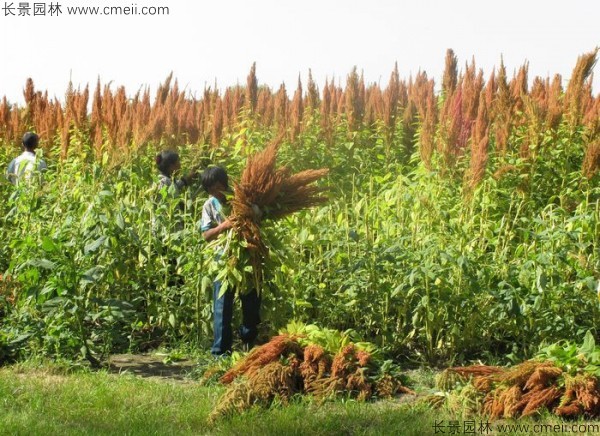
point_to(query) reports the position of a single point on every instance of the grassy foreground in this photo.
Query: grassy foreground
(38, 401)
(46, 401)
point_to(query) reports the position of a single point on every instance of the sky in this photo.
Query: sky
(204, 42)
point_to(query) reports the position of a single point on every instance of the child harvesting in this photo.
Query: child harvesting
(214, 222)
(169, 164)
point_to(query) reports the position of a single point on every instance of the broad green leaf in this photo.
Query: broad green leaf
(94, 245)
(589, 344)
(48, 244)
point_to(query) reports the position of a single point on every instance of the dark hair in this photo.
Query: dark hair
(214, 175)
(165, 160)
(30, 140)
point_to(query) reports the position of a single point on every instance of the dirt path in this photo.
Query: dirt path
(151, 367)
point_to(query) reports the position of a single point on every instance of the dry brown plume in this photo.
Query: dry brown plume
(531, 387)
(282, 368)
(275, 191)
(261, 356)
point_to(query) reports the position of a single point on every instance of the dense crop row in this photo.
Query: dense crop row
(460, 223)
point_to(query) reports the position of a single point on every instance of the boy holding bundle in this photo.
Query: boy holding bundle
(214, 222)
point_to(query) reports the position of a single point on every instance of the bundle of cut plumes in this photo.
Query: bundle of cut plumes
(266, 192)
(563, 380)
(292, 364)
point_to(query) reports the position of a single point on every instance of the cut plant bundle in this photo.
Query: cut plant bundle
(274, 191)
(266, 193)
(308, 360)
(563, 379)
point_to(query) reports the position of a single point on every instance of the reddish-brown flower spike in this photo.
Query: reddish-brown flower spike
(312, 101)
(217, 125)
(576, 90)
(352, 101)
(251, 89)
(281, 108)
(591, 161)
(391, 99)
(450, 77)
(297, 111)
(29, 91)
(427, 134)
(518, 88)
(555, 110)
(266, 106)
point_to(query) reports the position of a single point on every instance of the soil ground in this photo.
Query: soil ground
(151, 366)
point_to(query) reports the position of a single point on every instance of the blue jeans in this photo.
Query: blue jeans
(223, 314)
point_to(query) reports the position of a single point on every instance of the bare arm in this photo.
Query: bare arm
(211, 234)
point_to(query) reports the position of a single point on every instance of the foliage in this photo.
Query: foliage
(431, 246)
(572, 358)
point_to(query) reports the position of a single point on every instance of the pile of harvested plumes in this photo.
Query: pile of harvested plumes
(265, 192)
(562, 379)
(294, 364)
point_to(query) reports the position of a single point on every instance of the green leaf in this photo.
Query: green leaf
(589, 344)
(21, 338)
(92, 275)
(48, 245)
(94, 245)
(206, 283)
(120, 221)
(594, 358)
(303, 303)
(224, 288)
(236, 274)
(42, 263)
(593, 369)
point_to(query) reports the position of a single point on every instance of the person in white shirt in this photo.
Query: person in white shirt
(24, 166)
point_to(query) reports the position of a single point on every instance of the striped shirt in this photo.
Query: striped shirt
(212, 214)
(23, 166)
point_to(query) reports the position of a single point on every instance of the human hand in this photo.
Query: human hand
(226, 225)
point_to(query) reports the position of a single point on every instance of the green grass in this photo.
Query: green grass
(47, 401)
(40, 402)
